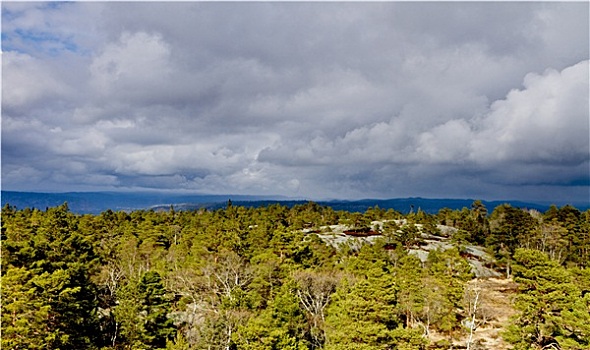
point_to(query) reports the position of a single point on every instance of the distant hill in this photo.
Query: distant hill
(404, 205)
(97, 202)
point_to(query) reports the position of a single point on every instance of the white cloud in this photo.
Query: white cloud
(28, 81)
(546, 121)
(137, 62)
(447, 143)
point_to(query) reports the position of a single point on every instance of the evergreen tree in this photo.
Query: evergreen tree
(155, 306)
(24, 314)
(511, 228)
(362, 315)
(448, 273)
(364, 310)
(51, 263)
(553, 310)
(410, 276)
(281, 326)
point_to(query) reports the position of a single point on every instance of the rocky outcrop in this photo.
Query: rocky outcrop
(481, 262)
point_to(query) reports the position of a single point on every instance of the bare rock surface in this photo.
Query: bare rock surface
(477, 257)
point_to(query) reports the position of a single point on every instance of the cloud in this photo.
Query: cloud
(536, 135)
(138, 62)
(523, 139)
(446, 143)
(32, 82)
(309, 99)
(547, 121)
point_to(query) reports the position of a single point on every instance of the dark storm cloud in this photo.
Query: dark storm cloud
(310, 99)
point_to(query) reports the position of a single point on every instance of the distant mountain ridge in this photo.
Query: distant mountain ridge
(97, 202)
(406, 205)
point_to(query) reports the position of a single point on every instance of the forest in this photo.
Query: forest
(269, 278)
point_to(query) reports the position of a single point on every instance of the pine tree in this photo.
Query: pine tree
(281, 326)
(364, 312)
(155, 306)
(51, 263)
(448, 273)
(553, 310)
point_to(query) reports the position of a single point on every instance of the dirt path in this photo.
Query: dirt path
(495, 304)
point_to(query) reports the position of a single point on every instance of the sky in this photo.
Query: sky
(327, 100)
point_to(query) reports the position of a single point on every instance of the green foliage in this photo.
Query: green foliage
(155, 305)
(363, 313)
(447, 273)
(553, 310)
(410, 277)
(510, 226)
(359, 317)
(407, 235)
(23, 313)
(46, 281)
(263, 278)
(280, 326)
